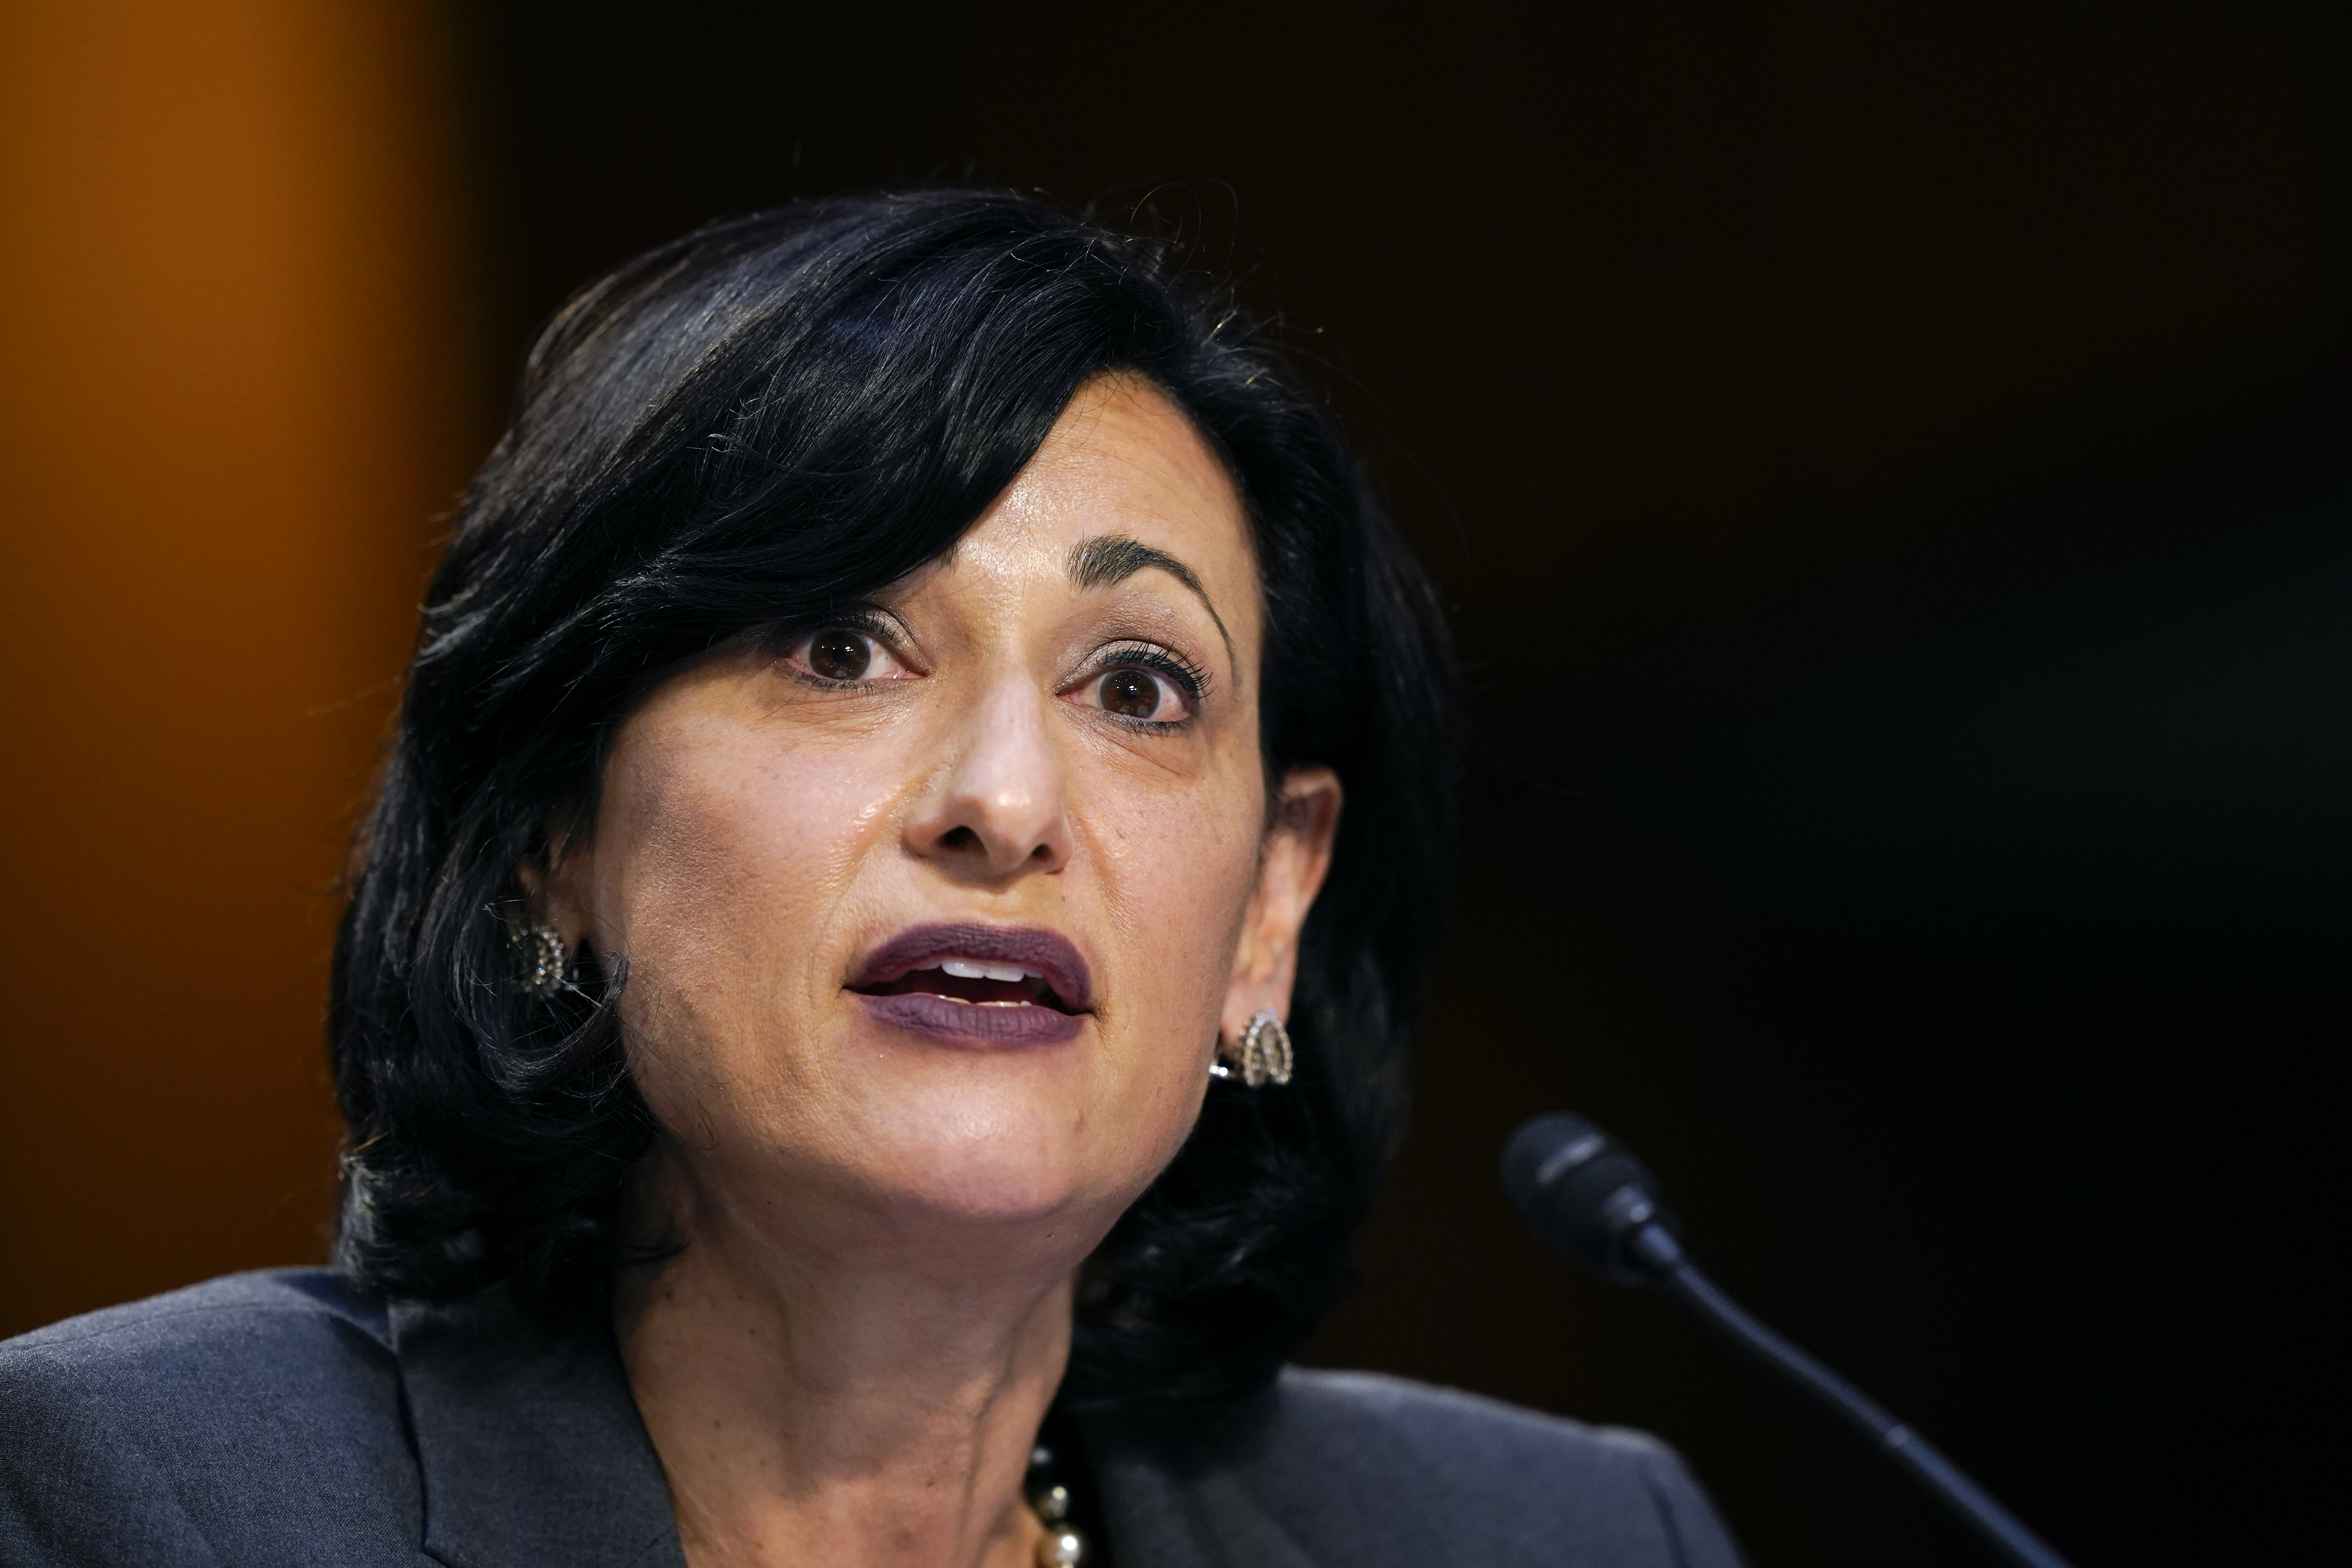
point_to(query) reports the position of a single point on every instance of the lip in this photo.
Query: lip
(1048, 953)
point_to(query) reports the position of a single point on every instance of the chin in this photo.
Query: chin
(988, 1197)
(984, 1159)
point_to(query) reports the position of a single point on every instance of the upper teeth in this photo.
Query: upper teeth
(973, 969)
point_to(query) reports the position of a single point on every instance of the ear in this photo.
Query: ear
(1291, 866)
(558, 882)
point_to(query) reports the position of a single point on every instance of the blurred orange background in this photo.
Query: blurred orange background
(229, 409)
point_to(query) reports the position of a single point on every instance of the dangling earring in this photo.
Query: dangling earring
(1266, 1053)
(547, 961)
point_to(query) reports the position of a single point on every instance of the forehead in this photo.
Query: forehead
(1122, 460)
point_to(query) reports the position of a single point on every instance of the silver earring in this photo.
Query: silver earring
(1266, 1053)
(547, 961)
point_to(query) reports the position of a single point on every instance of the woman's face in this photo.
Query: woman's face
(936, 917)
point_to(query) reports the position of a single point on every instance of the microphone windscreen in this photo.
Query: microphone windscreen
(1582, 1194)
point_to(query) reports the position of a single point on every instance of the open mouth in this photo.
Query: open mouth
(979, 985)
(975, 982)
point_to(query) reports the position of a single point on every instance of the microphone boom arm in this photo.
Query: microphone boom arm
(1587, 1198)
(1944, 1480)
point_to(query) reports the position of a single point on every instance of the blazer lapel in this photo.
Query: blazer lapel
(529, 1445)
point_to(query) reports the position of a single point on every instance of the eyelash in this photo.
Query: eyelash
(866, 622)
(1164, 662)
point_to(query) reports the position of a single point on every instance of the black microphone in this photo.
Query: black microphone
(1588, 1199)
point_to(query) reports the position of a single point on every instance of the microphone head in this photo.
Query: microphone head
(1586, 1197)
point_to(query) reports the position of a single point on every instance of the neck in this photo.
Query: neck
(844, 1404)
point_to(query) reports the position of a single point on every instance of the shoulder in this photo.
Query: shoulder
(207, 1321)
(248, 1351)
(147, 1432)
(1379, 1418)
(1357, 1458)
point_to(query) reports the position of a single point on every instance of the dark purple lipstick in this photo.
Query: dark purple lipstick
(976, 984)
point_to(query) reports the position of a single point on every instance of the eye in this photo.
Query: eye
(1150, 686)
(846, 654)
(1131, 693)
(839, 654)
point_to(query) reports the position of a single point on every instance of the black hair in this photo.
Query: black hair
(746, 429)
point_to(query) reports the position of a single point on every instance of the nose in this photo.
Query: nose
(998, 806)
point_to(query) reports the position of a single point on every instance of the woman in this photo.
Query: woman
(829, 991)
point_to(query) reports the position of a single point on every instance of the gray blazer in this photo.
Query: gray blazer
(287, 1418)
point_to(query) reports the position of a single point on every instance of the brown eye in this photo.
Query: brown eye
(839, 654)
(1130, 693)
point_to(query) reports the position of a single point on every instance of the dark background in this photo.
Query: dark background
(1889, 468)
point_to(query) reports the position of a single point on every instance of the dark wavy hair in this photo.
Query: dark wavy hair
(743, 431)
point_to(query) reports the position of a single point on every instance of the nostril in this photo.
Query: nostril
(959, 839)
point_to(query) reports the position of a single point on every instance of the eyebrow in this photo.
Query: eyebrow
(1108, 558)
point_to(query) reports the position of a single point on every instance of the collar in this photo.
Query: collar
(528, 1444)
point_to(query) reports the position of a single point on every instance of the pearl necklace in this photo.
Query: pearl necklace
(1064, 1545)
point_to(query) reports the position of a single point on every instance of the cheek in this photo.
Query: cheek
(1178, 877)
(1177, 886)
(723, 870)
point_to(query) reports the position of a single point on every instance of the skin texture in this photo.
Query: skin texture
(848, 1360)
